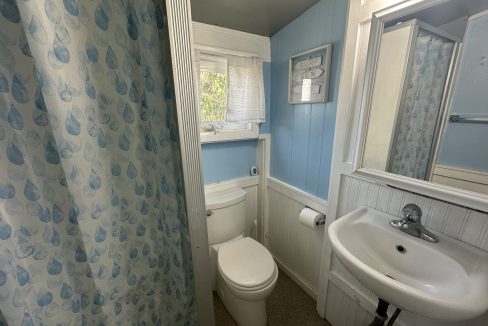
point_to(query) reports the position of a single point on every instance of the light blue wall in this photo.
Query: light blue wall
(302, 135)
(229, 160)
(466, 145)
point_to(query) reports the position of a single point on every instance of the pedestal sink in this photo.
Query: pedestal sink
(447, 280)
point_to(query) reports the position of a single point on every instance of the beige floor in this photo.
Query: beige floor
(288, 305)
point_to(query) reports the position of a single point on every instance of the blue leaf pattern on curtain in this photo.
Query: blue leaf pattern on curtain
(418, 115)
(93, 229)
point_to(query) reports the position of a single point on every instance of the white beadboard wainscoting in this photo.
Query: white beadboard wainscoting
(295, 247)
(348, 301)
(250, 185)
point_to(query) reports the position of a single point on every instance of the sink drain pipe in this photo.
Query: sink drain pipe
(380, 317)
(381, 314)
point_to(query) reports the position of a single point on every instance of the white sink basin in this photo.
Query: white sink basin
(446, 280)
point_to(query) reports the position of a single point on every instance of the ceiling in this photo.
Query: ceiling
(262, 17)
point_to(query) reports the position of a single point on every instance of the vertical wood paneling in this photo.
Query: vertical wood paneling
(296, 246)
(474, 228)
(301, 150)
(457, 222)
(437, 215)
(383, 199)
(317, 116)
(343, 310)
(423, 202)
(363, 193)
(374, 191)
(395, 205)
(328, 141)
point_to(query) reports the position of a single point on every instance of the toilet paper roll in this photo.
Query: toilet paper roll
(310, 218)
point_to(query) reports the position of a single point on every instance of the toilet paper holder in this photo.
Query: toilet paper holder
(321, 221)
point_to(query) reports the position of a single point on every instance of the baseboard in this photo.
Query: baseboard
(297, 279)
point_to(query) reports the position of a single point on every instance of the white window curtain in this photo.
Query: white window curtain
(245, 99)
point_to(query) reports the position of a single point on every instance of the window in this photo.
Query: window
(213, 88)
(223, 118)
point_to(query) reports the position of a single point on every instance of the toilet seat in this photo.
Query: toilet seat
(246, 265)
(243, 289)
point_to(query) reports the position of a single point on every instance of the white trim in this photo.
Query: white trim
(230, 135)
(224, 40)
(263, 161)
(243, 182)
(425, 26)
(221, 51)
(180, 40)
(318, 204)
(461, 173)
(295, 277)
(478, 15)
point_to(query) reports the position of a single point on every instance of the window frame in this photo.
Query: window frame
(221, 131)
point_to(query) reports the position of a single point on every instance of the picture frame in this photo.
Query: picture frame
(309, 74)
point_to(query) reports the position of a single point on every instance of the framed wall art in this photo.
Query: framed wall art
(309, 73)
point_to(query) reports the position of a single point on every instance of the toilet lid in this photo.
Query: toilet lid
(246, 263)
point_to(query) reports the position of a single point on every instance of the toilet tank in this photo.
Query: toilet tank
(226, 214)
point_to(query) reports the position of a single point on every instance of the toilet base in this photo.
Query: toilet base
(244, 312)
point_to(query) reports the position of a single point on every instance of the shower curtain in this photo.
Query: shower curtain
(93, 228)
(418, 115)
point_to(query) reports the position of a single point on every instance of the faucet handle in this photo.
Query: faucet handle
(412, 212)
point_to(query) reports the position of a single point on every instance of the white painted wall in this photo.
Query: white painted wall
(388, 87)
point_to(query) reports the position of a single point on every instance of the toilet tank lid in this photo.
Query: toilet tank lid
(224, 198)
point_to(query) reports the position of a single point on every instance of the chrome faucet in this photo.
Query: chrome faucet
(410, 223)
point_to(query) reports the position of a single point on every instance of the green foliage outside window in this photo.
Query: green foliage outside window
(213, 96)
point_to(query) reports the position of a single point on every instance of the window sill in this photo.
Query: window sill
(229, 135)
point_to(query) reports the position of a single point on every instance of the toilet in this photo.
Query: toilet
(243, 271)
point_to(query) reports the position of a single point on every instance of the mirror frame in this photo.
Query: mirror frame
(450, 194)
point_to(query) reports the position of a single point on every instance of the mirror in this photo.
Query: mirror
(428, 112)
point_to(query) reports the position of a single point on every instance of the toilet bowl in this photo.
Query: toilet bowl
(244, 272)
(247, 274)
